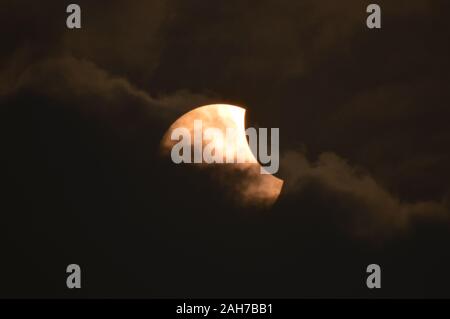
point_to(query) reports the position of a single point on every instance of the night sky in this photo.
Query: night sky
(364, 143)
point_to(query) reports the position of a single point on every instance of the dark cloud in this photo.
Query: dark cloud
(126, 40)
(371, 211)
(106, 59)
(83, 112)
(67, 78)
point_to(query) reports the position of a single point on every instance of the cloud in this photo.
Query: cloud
(63, 75)
(67, 78)
(126, 38)
(112, 58)
(309, 65)
(276, 41)
(369, 209)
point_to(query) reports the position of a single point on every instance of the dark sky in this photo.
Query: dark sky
(364, 135)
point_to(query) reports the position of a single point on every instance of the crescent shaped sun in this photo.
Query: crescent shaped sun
(251, 187)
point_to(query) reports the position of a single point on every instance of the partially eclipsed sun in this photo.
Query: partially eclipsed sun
(248, 185)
